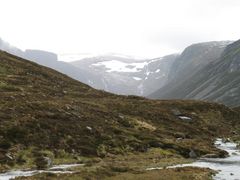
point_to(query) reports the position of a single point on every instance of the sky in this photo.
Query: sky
(139, 28)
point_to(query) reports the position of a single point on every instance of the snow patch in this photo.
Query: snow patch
(118, 66)
(137, 78)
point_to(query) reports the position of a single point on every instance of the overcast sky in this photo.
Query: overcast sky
(142, 28)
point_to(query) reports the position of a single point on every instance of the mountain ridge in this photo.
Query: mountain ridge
(215, 82)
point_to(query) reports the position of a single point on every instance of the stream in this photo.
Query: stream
(228, 168)
(55, 169)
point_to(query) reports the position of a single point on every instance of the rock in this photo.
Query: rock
(226, 140)
(43, 162)
(121, 116)
(176, 112)
(210, 156)
(9, 156)
(179, 139)
(185, 118)
(192, 154)
(89, 128)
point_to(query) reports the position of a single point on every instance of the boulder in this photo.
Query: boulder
(176, 112)
(210, 156)
(192, 154)
(43, 162)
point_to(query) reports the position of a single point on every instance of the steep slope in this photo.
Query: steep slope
(9, 48)
(134, 77)
(48, 59)
(219, 81)
(42, 109)
(122, 75)
(193, 58)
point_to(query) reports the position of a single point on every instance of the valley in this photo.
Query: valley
(45, 114)
(119, 90)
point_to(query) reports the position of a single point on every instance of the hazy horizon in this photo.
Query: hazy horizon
(138, 28)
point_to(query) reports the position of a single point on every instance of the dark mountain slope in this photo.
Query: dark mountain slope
(218, 81)
(41, 108)
(193, 59)
(48, 59)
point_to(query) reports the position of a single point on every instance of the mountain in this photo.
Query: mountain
(114, 73)
(193, 59)
(4, 46)
(218, 81)
(127, 76)
(46, 114)
(48, 59)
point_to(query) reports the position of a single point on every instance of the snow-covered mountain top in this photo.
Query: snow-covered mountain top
(71, 57)
(119, 66)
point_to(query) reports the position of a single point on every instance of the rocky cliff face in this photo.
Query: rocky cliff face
(126, 76)
(217, 81)
(193, 59)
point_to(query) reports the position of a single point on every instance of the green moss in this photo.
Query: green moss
(7, 87)
(3, 70)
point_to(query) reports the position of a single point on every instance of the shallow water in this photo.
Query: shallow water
(55, 169)
(228, 168)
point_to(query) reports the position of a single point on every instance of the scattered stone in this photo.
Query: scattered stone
(226, 140)
(68, 107)
(210, 156)
(9, 156)
(43, 162)
(193, 113)
(121, 116)
(89, 128)
(176, 112)
(185, 118)
(192, 154)
(179, 139)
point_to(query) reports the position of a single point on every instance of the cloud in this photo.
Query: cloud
(137, 27)
(178, 38)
